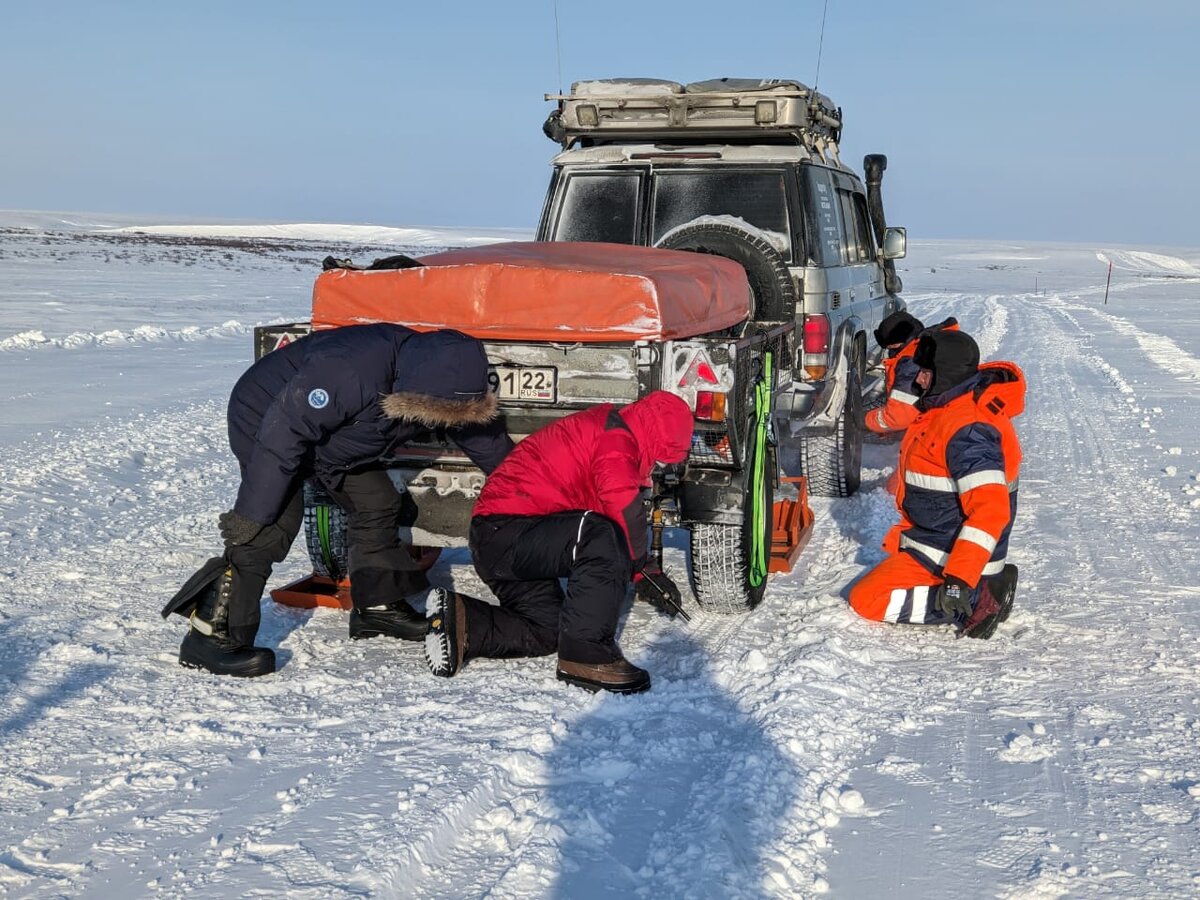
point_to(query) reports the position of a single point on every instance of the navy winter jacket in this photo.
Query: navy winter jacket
(314, 406)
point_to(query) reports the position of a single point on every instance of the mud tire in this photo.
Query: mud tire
(832, 460)
(774, 293)
(720, 555)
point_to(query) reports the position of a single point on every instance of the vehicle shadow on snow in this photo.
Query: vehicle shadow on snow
(677, 792)
(26, 697)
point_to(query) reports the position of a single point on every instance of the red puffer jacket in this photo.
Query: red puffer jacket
(597, 459)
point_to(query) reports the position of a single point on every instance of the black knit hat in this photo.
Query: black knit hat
(898, 328)
(953, 356)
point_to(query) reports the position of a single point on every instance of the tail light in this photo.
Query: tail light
(710, 406)
(815, 343)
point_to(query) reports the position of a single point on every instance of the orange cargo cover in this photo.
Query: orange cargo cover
(544, 291)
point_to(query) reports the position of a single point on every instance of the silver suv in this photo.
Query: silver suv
(747, 169)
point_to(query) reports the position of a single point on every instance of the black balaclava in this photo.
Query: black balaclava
(898, 328)
(953, 356)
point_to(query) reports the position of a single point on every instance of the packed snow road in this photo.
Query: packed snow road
(793, 752)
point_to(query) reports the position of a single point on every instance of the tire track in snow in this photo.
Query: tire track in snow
(1159, 349)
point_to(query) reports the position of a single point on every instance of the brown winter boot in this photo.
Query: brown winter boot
(619, 676)
(207, 645)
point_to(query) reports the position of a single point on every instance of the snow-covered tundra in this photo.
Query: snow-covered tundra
(796, 751)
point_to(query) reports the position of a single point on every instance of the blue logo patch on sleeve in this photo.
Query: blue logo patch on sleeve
(318, 398)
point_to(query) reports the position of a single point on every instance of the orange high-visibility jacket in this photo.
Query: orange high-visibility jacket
(900, 372)
(959, 464)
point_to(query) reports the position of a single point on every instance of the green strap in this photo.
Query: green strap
(758, 476)
(323, 539)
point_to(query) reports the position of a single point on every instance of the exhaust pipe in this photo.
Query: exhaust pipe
(874, 165)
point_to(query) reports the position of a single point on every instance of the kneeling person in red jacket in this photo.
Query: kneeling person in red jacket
(957, 496)
(566, 503)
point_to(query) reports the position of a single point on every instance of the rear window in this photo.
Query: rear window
(759, 198)
(598, 207)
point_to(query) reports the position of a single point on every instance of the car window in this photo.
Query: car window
(598, 206)
(823, 217)
(759, 198)
(849, 233)
(862, 224)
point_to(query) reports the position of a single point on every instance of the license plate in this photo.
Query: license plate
(529, 384)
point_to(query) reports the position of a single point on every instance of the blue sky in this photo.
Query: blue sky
(1054, 120)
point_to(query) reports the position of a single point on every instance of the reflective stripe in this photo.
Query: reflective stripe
(977, 536)
(920, 605)
(579, 534)
(978, 479)
(879, 418)
(933, 554)
(906, 399)
(995, 567)
(895, 605)
(929, 482)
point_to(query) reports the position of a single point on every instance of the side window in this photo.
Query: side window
(862, 224)
(850, 251)
(600, 206)
(822, 217)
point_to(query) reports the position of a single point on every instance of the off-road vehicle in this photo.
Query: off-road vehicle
(737, 169)
(747, 169)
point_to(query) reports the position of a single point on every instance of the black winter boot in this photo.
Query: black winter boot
(1000, 590)
(446, 643)
(395, 620)
(208, 645)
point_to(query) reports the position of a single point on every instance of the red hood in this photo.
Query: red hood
(662, 424)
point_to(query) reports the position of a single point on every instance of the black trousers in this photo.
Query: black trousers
(381, 568)
(521, 558)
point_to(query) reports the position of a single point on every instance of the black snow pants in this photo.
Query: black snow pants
(381, 568)
(521, 558)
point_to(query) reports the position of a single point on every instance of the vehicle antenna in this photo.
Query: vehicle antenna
(820, 47)
(558, 47)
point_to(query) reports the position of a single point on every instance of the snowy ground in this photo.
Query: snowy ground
(794, 752)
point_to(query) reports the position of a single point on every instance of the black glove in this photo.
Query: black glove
(237, 529)
(656, 588)
(954, 597)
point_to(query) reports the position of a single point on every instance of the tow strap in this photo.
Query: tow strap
(323, 537)
(758, 476)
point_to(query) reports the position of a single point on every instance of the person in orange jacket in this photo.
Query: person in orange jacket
(898, 334)
(957, 496)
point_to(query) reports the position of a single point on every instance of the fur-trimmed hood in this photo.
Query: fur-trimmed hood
(441, 380)
(435, 412)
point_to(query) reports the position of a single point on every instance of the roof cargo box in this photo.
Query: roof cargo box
(625, 108)
(541, 291)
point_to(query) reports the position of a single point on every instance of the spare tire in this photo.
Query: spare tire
(774, 294)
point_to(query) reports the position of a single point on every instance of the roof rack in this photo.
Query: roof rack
(746, 109)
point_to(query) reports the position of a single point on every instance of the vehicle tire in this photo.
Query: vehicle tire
(832, 461)
(325, 532)
(325, 536)
(774, 293)
(720, 554)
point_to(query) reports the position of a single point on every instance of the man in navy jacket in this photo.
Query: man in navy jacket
(334, 405)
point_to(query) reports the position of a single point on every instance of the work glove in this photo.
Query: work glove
(954, 597)
(656, 588)
(237, 529)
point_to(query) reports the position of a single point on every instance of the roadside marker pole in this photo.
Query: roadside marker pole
(1108, 282)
